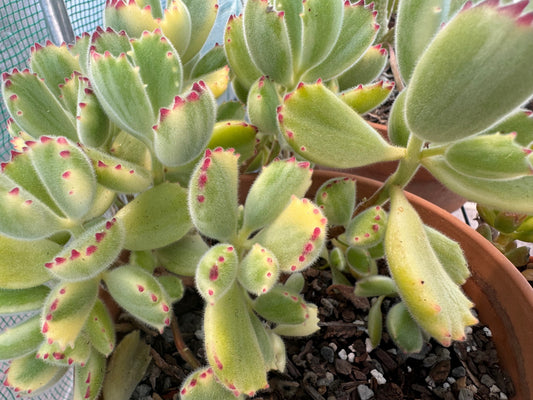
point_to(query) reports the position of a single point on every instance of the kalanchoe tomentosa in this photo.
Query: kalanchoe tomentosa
(125, 171)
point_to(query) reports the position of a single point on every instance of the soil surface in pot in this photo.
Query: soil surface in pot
(337, 363)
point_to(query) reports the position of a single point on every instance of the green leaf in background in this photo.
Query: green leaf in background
(478, 79)
(513, 195)
(267, 40)
(416, 24)
(184, 129)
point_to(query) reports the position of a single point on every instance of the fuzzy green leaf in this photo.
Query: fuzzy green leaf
(91, 122)
(268, 41)
(237, 54)
(397, 128)
(156, 217)
(307, 328)
(358, 31)
(292, 15)
(66, 310)
(450, 255)
(213, 194)
(173, 285)
(90, 253)
(272, 191)
(322, 23)
(365, 98)
(259, 270)
(176, 25)
(159, 66)
(512, 195)
(118, 174)
(281, 306)
(34, 107)
(476, 83)
(375, 322)
(122, 94)
(115, 42)
(368, 228)
(30, 375)
(88, 379)
(296, 236)
(54, 64)
(319, 126)
(126, 368)
(202, 384)
(22, 300)
(375, 285)
(23, 216)
(433, 299)
(139, 293)
(101, 329)
(231, 344)
(263, 100)
(203, 15)
(128, 17)
(365, 70)
(237, 135)
(404, 329)
(213, 60)
(521, 122)
(336, 198)
(185, 128)
(493, 156)
(22, 262)
(182, 257)
(359, 261)
(77, 354)
(22, 339)
(417, 23)
(68, 92)
(216, 272)
(66, 173)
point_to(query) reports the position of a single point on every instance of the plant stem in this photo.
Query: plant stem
(407, 167)
(182, 348)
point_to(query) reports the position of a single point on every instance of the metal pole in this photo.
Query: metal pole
(57, 21)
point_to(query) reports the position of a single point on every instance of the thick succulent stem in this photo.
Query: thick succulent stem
(407, 167)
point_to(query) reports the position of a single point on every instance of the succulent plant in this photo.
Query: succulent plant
(125, 177)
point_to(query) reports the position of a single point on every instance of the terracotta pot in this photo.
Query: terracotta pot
(503, 298)
(423, 183)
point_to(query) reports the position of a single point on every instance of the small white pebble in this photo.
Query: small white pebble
(351, 357)
(378, 376)
(451, 380)
(351, 348)
(393, 351)
(468, 330)
(474, 348)
(368, 345)
(409, 369)
(342, 354)
(333, 346)
(487, 331)
(503, 396)
(445, 385)
(495, 389)
(468, 349)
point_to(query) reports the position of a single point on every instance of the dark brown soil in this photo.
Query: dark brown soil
(335, 363)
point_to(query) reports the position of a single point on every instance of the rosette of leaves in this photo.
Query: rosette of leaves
(100, 130)
(274, 45)
(276, 232)
(472, 136)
